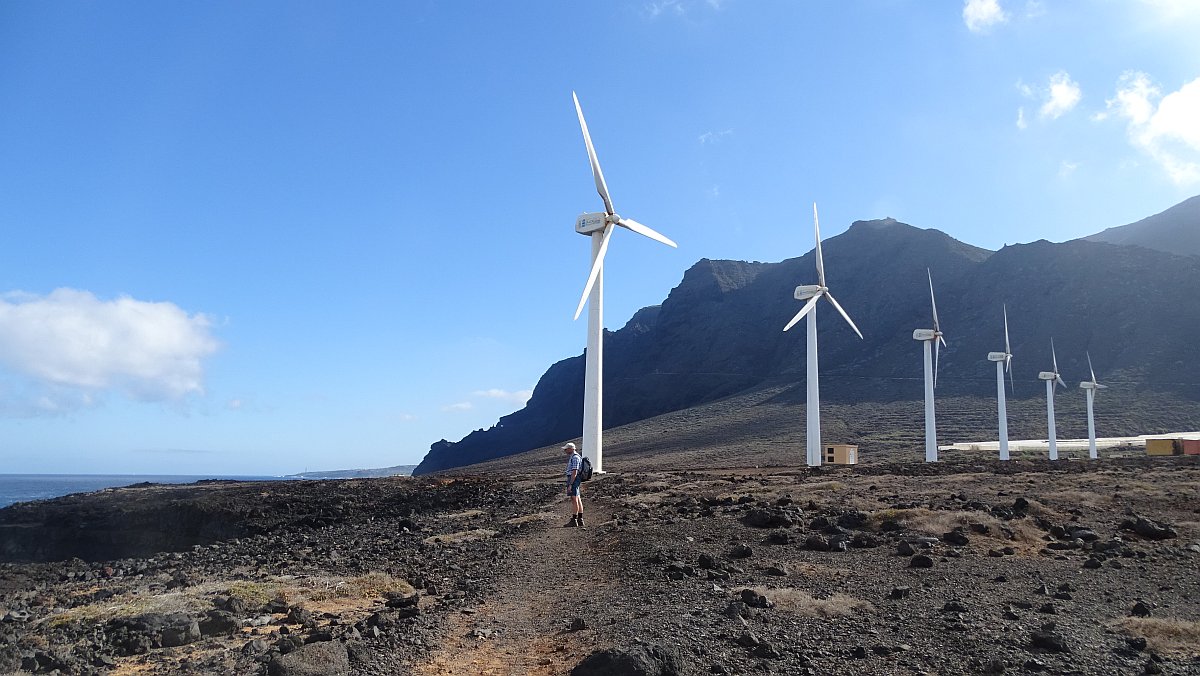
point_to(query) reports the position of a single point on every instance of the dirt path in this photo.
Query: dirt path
(525, 629)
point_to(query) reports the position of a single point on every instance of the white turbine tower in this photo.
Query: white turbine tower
(1003, 363)
(599, 226)
(813, 293)
(928, 336)
(1090, 386)
(1052, 380)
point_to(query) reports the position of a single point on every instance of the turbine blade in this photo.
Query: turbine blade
(1007, 349)
(936, 353)
(1101, 387)
(640, 229)
(601, 186)
(844, 315)
(1012, 386)
(933, 301)
(942, 340)
(812, 302)
(820, 258)
(1089, 356)
(597, 265)
(1054, 356)
(1059, 381)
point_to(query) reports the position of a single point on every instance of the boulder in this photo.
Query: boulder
(640, 660)
(327, 658)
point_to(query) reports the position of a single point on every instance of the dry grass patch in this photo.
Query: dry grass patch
(173, 602)
(936, 522)
(823, 486)
(802, 603)
(460, 536)
(464, 515)
(1164, 635)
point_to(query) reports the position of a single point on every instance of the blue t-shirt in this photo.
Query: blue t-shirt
(573, 464)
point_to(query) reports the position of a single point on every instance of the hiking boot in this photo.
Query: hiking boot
(573, 523)
(580, 517)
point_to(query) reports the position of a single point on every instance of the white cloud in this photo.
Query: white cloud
(1066, 168)
(981, 15)
(234, 404)
(714, 192)
(1167, 128)
(518, 397)
(713, 136)
(674, 7)
(1034, 9)
(72, 345)
(460, 406)
(1021, 123)
(1062, 95)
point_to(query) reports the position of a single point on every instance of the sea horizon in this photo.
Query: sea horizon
(31, 486)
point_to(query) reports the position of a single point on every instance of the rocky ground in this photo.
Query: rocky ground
(970, 567)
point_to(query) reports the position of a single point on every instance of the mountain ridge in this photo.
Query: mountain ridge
(719, 331)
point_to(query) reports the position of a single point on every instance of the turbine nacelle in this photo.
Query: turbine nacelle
(926, 334)
(591, 222)
(1087, 385)
(997, 356)
(807, 291)
(1047, 375)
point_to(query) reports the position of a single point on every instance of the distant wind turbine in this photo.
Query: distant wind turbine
(813, 293)
(928, 336)
(599, 226)
(1003, 363)
(1053, 379)
(1090, 386)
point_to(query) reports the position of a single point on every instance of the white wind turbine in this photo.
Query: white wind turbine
(928, 336)
(1003, 363)
(599, 226)
(1090, 386)
(1052, 380)
(813, 293)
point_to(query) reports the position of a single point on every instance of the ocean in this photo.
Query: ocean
(26, 487)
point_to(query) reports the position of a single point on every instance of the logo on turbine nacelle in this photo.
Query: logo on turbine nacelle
(997, 356)
(924, 334)
(807, 291)
(586, 224)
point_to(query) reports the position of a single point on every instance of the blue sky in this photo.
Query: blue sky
(255, 238)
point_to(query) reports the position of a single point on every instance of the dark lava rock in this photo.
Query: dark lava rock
(1092, 563)
(748, 639)
(298, 615)
(182, 631)
(905, 548)
(920, 561)
(852, 520)
(775, 571)
(953, 607)
(755, 600)
(900, 592)
(1140, 609)
(817, 543)
(1149, 529)
(741, 551)
(638, 661)
(578, 624)
(219, 623)
(779, 537)
(864, 541)
(327, 658)
(956, 537)
(706, 561)
(1049, 641)
(767, 518)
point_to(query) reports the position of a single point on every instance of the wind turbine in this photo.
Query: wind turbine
(1090, 386)
(1003, 363)
(928, 336)
(813, 293)
(599, 226)
(1052, 379)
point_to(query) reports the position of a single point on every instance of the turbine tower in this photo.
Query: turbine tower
(928, 336)
(1052, 380)
(599, 227)
(1003, 363)
(1090, 386)
(813, 293)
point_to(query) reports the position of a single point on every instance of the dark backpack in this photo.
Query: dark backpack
(585, 470)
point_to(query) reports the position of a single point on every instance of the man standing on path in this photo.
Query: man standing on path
(574, 478)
